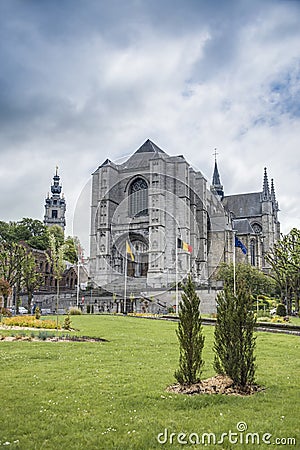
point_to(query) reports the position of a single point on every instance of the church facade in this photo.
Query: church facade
(158, 219)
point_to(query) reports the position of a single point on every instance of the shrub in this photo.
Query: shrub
(75, 311)
(234, 336)
(190, 336)
(5, 312)
(37, 313)
(43, 335)
(67, 323)
(281, 310)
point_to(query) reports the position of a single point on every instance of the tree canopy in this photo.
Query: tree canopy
(31, 231)
(18, 267)
(284, 260)
(250, 277)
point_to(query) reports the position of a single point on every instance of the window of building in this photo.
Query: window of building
(138, 198)
(54, 213)
(257, 228)
(252, 252)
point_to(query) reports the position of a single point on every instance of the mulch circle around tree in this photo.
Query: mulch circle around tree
(216, 385)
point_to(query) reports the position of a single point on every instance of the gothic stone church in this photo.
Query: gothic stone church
(166, 219)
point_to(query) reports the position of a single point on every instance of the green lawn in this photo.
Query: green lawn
(111, 395)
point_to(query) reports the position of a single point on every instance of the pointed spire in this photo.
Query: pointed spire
(273, 196)
(216, 177)
(216, 181)
(266, 190)
(55, 187)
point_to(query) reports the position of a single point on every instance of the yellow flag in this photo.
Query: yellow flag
(129, 251)
(185, 246)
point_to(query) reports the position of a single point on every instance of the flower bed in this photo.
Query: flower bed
(29, 322)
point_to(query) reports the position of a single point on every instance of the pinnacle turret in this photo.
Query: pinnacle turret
(273, 190)
(216, 181)
(273, 196)
(266, 191)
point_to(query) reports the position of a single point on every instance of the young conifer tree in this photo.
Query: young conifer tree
(190, 336)
(234, 336)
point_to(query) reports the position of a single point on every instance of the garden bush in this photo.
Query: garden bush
(190, 336)
(67, 323)
(281, 310)
(37, 313)
(75, 311)
(234, 336)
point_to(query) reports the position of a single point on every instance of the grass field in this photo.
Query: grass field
(111, 395)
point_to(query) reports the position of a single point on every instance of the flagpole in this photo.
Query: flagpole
(125, 282)
(176, 274)
(234, 275)
(78, 281)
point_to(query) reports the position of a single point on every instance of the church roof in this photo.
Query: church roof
(149, 147)
(142, 156)
(242, 226)
(107, 162)
(243, 205)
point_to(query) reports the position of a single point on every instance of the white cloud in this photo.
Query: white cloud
(77, 92)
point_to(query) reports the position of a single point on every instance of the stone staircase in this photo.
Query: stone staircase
(134, 286)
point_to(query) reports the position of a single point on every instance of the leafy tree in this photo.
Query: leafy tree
(12, 257)
(31, 231)
(31, 278)
(252, 278)
(234, 336)
(71, 249)
(57, 232)
(4, 288)
(281, 310)
(5, 232)
(56, 258)
(190, 336)
(284, 260)
(37, 233)
(17, 264)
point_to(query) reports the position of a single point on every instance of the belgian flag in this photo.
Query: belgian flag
(184, 245)
(129, 251)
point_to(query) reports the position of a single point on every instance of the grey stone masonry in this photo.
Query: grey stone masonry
(157, 218)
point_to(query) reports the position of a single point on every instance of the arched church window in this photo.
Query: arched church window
(138, 198)
(252, 252)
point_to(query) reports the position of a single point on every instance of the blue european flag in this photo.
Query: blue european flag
(239, 244)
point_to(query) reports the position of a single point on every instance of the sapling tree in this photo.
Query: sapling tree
(32, 279)
(234, 336)
(56, 258)
(190, 336)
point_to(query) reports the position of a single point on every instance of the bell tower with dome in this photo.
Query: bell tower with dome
(55, 205)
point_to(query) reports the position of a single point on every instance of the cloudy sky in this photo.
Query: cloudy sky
(83, 80)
